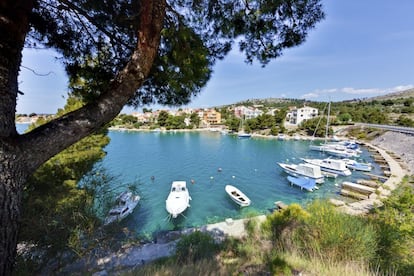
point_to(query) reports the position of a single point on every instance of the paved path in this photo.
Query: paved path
(135, 256)
(397, 174)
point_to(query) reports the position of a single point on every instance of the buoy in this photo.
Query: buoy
(233, 176)
(219, 169)
(192, 181)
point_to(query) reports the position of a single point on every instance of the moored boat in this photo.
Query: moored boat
(357, 166)
(306, 183)
(237, 196)
(178, 199)
(125, 204)
(304, 169)
(335, 166)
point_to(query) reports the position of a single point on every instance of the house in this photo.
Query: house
(297, 115)
(246, 112)
(211, 117)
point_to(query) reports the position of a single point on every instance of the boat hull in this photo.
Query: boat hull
(178, 199)
(237, 196)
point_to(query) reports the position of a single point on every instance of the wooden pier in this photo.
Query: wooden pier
(362, 189)
(353, 194)
(375, 176)
(369, 183)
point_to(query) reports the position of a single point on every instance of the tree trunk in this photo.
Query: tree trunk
(12, 178)
(21, 155)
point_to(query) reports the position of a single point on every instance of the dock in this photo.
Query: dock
(375, 176)
(280, 205)
(369, 183)
(352, 194)
(358, 188)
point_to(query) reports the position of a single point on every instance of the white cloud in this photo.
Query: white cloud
(310, 96)
(363, 92)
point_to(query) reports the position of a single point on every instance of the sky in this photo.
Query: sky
(363, 48)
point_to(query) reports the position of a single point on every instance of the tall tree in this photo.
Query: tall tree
(134, 52)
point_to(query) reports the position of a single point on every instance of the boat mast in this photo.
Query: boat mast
(327, 122)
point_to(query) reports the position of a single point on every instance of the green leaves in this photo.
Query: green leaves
(195, 35)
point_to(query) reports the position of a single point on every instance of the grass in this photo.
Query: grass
(312, 240)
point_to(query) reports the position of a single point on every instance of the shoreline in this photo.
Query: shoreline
(133, 255)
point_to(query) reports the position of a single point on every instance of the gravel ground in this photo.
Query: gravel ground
(400, 144)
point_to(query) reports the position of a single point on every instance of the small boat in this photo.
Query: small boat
(306, 183)
(178, 199)
(304, 169)
(281, 136)
(336, 166)
(125, 204)
(357, 166)
(237, 196)
(244, 135)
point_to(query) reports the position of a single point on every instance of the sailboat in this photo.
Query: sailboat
(241, 133)
(335, 149)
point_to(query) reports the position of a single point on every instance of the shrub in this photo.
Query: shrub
(194, 247)
(320, 230)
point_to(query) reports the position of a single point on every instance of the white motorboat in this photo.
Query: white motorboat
(237, 196)
(357, 166)
(304, 169)
(125, 204)
(335, 166)
(178, 199)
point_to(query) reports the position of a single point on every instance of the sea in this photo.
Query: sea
(208, 161)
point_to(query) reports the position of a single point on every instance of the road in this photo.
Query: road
(408, 130)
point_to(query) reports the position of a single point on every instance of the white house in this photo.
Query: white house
(246, 112)
(297, 115)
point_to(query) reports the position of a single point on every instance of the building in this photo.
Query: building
(246, 112)
(211, 117)
(297, 115)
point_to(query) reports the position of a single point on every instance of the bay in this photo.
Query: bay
(152, 160)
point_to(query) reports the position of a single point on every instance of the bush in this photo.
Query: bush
(336, 235)
(394, 223)
(194, 247)
(320, 230)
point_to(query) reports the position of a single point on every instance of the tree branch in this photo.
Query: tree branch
(49, 139)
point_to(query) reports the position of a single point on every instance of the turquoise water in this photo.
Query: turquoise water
(249, 164)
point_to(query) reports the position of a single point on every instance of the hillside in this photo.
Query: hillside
(409, 93)
(391, 96)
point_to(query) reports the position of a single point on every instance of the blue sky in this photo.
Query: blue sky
(363, 48)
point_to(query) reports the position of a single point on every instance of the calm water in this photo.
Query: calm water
(249, 164)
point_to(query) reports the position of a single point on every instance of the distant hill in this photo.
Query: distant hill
(391, 96)
(409, 93)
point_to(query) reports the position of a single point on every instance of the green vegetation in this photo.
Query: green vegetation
(397, 111)
(315, 240)
(58, 214)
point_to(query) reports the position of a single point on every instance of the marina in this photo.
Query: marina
(208, 161)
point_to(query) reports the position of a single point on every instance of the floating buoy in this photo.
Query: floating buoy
(211, 177)
(233, 176)
(192, 181)
(219, 169)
